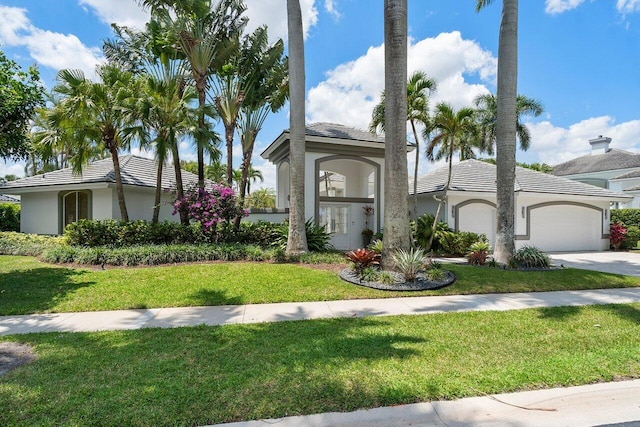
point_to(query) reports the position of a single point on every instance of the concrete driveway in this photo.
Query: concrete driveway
(627, 263)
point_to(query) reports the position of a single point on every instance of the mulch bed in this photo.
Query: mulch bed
(421, 283)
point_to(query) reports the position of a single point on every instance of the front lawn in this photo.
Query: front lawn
(29, 286)
(205, 375)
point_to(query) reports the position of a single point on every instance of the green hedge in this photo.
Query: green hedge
(12, 243)
(626, 217)
(9, 217)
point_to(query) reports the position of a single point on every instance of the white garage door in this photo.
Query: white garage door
(478, 218)
(565, 228)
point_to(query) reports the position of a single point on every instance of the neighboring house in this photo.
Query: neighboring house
(344, 172)
(552, 213)
(8, 199)
(605, 167)
(52, 200)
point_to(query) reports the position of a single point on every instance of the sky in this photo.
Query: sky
(579, 58)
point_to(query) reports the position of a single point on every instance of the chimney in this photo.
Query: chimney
(600, 145)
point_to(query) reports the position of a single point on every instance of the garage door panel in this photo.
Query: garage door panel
(565, 228)
(478, 218)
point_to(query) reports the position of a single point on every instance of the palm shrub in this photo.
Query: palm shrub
(530, 257)
(423, 228)
(317, 236)
(409, 263)
(478, 253)
(362, 259)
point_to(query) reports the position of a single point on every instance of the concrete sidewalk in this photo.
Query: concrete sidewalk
(257, 313)
(605, 404)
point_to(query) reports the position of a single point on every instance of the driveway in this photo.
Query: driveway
(627, 263)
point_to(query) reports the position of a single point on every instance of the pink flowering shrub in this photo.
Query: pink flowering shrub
(209, 206)
(617, 234)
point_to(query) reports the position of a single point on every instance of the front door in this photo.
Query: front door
(335, 219)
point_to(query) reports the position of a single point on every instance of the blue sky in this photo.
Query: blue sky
(580, 58)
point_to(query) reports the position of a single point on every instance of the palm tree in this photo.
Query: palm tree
(506, 120)
(96, 109)
(262, 198)
(487, 111)
(454, 131)
(396, 188)
(419, 87)
(297, 237)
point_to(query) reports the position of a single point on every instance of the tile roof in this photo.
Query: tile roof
(333, 130)
(611, 160)
(135, 171)
(478, 176)
(8, 199)
(632, 174)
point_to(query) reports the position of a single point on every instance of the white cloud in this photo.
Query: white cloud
(558, 6)
(49, 49)
(628, 6)
(123, 12)
(330, 7)
(351, 90)
(16, 169)
(553, 145)
(273, 13)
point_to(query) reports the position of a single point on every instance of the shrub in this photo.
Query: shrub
(632, 238)
(12, 243)
(409, 263)
(317, 237)
(370, 274)
(478, 253)
(362, 259)
(9, 217)
(209, 206)
(459, 243)
(530, 257)
(423, 228)
(435, 274)
(617, 235)
(626, 217)
(376, 246)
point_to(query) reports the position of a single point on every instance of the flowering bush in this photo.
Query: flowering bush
(617, 234)
(209, 206)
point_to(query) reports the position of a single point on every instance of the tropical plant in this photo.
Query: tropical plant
(419, 88)
(409, 263)
(296, 241)
(478, 253)
(96, 110)
(362, 259)
(506, 120)
(423, 232)
(262, 198)
(617, 235)
(316, 236)
(487, 112)
(376, 245)
(209, 206)
(396, 213)
(530, 257)
(9, 217)
(454, 131)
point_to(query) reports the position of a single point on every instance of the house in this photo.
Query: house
(552, 213)
(605, 167)
(8, 199)
(344, 179)
(52, 200)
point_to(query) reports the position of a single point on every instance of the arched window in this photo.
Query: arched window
(75, 206)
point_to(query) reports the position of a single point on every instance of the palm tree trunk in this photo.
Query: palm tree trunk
(506, 131)
(156, 206)
(184, 219)
(200, 142)
(119, 188)
(228, 133)
(396, 204)
(444, 196)
(297, 238)
(246, 164)
(415, 172)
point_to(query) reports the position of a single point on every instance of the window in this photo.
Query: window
(75, 206)
(332, 184)
(335, 219)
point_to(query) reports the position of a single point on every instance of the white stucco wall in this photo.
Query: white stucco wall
(39, 213)
(102, 201)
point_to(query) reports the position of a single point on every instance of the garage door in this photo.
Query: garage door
(565, 228)
(478, 218)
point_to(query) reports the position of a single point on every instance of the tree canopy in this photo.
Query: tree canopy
(20, 94)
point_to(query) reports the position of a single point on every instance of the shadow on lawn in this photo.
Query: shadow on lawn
(211, 297)
(205, 375)
(625, 311)
(37, 290)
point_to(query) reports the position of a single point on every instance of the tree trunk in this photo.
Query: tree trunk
(415, 172)
(119, 188)
(184, 218)
(434, 226)
(396, 204)
(297, 238)
(246, 164)
(156, 206)
(506, 131)
(228, 133)
(201, 139)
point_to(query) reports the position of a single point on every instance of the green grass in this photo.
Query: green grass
(29, 286)
(204, 375)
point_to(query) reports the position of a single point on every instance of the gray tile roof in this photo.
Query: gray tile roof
(636, 188)
(632, 174)
(333, 130)
(611, 160)
(136, 171)
(8, 199)
(478, 176)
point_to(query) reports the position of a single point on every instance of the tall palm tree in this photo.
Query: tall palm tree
(96, 109)
(297, 237)
(487, 111)
(262, 198)
(419, 87)
(506, 128)
(453, 131)
(396, 187)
